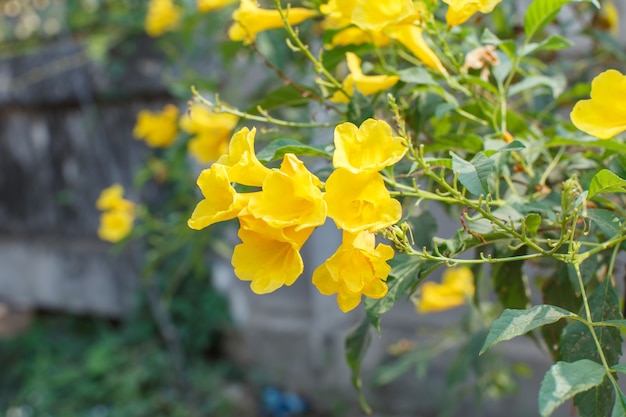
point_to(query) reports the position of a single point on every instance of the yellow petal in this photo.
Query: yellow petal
(249, 19)
(210, 131)
(209, 5)
(358, 202)
(157, 129)
(459, 11)
(115, 225)
(411, 37)
(604, 115)
(374, 15)
(371, 147)
(243, 165)
(457, 285)
(162, 16)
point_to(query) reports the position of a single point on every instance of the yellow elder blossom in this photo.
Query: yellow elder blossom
(375, 15)
(461, 10)
(457, 285)
(354, 36)
(221, 201)
(157, 129)
(116, 221)
(357, 268)
(368, 147)
(358, 202)
(366, 84)
(249, 19)
(162, 16)
(268, 257)
(291, 196)
(410, 36)
(241, 161)
(604, 115)
(208, 5)
(211, 132)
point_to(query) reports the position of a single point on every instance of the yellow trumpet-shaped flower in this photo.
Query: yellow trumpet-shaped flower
(360, 201)
(366, 84)
(116, 221)
(375, 15)
(157, 129)
(221, 201)
(411, 37)
(370, 147)
(291, 196)
(241, 161)
(604, 115)
(461, 10)
(355, 36)
(249, 19)
(209, 5)
(457, 285)
(211, 132)
(268, 257)
(338, 13)
(163, 16)
(357, 268)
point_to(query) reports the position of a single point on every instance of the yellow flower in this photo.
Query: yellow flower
(375, 15)
(111, 199)
(158, 129)
(357, 268)
(268, 257)
(368, 147)
(291, 196)
(220, 203)
(116, 221)
(360, 201)
(411, 37)
(209, 5)
(604, 115)
(249, 19)
(461, 10)
(211, 132)
(241, 161)
(115, 225)
(366, 84)
(163, 16)
(338, 13)
(457, 285)
(610, 15)
(354, 36)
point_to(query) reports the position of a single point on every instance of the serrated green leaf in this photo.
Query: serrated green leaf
(473, 175)
(513, 323)
(606, 182)
(556, 83)
(357, 343)
(564, 380)
(276, 149)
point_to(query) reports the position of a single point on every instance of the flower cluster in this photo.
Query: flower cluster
(276, 220)
(118, 214)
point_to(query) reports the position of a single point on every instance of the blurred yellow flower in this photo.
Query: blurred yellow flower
(157, 129)
(461, 10)
(249, 19)
(411, 37)
(357, 268)
(610, 15)
(291, 196)
(209, 5)
(241, 161)
(366, 84)
(457, 285)
(220, 203)
(162, 16)
(211, 132)
(370, 147)
(355, 36)
(268, 257)
(360, 201)
(116, 221)
(604, 115)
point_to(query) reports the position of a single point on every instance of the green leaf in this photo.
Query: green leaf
(619, 409)
(417, 75)
(605, 221)
(621, 367)
(553, 43)
(577, 343)
(513, 323)
(540, 13)
(564, 380)
(357, 343)
(606, 182)
(473, 175)
(276, 149)
(509, 281)
(285, 96)
(556, 83)
(532, 223)
(359, 109)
